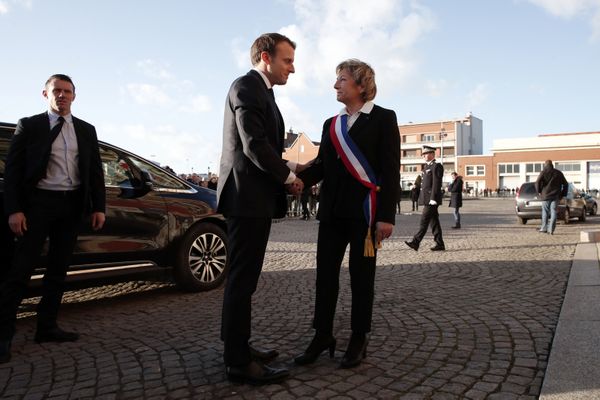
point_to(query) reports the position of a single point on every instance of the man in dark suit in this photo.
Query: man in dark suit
(251, 191)
(430, 198)
(53, 176)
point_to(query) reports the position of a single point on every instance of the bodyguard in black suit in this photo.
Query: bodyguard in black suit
(430, 198)
(374, 130)
(53, 176)
(251, 191)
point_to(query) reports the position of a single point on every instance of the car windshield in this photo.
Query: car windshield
(527, 189)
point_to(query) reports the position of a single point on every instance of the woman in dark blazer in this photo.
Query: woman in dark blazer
(455, 188)
(373, 133)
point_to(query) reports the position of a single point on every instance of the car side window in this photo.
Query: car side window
(4, 145)
(160, 177)
(117, 171)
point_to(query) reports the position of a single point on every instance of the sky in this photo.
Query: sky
(152, 75)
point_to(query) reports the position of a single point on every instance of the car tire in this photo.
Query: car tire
(594, 209)
(583, 214)
(523, 221)
(201, 262)
(567, 216)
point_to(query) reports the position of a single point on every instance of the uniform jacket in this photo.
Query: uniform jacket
(252, 172)
(376, 135)
(25, 164)
(431, 184)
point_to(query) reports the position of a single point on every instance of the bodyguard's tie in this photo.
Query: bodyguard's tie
(56, 130)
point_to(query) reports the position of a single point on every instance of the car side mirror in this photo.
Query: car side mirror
(147, 180)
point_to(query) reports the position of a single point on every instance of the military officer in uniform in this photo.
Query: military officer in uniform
(430, 198)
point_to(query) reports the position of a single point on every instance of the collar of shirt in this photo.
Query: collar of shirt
(431, 162)
(365, 109)
(269, 86)
(54, 118)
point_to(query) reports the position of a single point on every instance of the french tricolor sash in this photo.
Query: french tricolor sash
(358, 166)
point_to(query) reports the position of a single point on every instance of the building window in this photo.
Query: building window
(301, 148)
(410, 168)
(568, 167)
(475, 170)
(428, 138)
(533, 167)
(508, 168)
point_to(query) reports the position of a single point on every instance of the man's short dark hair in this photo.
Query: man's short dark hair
(60, 77)
(267, 42)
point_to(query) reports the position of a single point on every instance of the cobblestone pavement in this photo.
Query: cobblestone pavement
(474, 322)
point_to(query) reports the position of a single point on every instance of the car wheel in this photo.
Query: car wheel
(523, 221)
(594, 209)
(201, 259)
(567, 215)
(583, 214)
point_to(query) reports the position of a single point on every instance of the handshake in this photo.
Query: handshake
(295, 187)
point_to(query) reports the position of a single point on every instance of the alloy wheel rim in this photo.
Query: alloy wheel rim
(207, 257)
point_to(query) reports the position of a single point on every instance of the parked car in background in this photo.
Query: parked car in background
(156, 224)
(528, 205)
(591, 204)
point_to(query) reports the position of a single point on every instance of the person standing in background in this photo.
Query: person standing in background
(455, 188)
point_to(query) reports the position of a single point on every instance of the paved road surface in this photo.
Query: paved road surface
(474, 322)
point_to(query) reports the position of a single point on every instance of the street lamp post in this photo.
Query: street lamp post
(442, 135)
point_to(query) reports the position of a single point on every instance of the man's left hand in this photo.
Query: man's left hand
(98, 219)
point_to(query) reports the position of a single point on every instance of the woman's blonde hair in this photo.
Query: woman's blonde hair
(363, 75)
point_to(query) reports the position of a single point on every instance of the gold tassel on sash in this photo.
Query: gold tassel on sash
(369, 250)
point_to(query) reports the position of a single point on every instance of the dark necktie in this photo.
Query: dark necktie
(56, 130)
(51, 138)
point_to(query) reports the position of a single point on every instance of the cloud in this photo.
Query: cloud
(198, 104)
(154, 69)
(328, 32)
(5, 6)
(477, 96)
(166, 91)
(586, 9)
(186, 150)
(146, 94)
(436, 88)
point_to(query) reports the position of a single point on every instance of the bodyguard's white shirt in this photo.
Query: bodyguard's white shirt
(62, 172)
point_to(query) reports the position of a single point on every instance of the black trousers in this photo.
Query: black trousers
(430, 216)
(55, 216)
(248, 239)
(334, 237)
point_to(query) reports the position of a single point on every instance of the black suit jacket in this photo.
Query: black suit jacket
(25, 164)
(252, 172)
(431, 184)
(342, 196)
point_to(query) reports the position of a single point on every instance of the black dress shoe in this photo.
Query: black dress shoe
(263, 355)
(319, 344)
(55, 335)
(438, 247)
(357, 350)
(457, 226)
(4, 351)
(256, 373)
(412, 244)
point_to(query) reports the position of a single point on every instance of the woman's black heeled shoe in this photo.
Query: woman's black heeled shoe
(316, 347)
(357, 350)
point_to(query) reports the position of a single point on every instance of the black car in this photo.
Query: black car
(591, 204)
(156, 223)
(529, 206)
